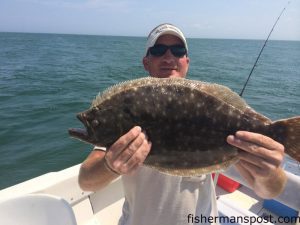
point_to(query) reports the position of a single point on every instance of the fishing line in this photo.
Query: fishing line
(262, 49)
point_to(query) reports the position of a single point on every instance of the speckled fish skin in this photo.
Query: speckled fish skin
(187, 122)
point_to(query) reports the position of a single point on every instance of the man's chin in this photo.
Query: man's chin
(171, 74)
(175, 76)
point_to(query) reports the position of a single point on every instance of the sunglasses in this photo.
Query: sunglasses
(160, 49)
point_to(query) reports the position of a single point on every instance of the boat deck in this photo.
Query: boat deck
(244, 201)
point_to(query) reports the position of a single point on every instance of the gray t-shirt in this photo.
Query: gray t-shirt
(153, 198)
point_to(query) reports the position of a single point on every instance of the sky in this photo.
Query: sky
(238, 19)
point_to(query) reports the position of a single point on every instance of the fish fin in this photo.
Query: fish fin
(187, 164)
(227, 95)
(288, 133)
(253, 114)
(121, 87)
(188, 172)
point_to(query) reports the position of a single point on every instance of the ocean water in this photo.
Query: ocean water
(45, 79)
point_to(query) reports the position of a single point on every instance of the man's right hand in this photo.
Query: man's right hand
(128, 152)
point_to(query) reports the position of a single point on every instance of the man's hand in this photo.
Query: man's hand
(260, 161)
(128, 152)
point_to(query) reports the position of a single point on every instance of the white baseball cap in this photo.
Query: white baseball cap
(162, 29)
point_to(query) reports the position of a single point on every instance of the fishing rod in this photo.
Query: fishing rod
(262, 50)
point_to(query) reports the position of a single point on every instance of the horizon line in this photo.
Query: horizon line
(134, 36)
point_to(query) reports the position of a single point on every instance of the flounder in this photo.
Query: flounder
(187, 122)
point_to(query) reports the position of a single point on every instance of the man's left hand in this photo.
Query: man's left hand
(260, 162)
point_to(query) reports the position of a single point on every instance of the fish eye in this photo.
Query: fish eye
(95, 123)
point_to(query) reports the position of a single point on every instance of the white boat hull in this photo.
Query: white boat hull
(105, 206)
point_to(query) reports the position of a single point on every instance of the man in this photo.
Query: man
(155, 198)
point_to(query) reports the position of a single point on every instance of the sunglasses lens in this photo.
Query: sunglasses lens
(160, 50)
(178, 50)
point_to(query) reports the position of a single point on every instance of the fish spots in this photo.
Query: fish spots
(185, 164)
(162, 90)
(200, 105)
(254, 126)
(214, 120)
(207, 114)
(186, 121)
(219, 108)
(153, 95)
(158, 106)
(230, 112)
(192, 96)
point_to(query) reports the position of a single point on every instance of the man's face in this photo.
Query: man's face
(167, 65)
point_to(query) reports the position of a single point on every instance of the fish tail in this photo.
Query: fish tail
(287, 132)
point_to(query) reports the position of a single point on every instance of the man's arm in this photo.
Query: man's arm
(260, 162)
(123, 157)
(93, 174)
